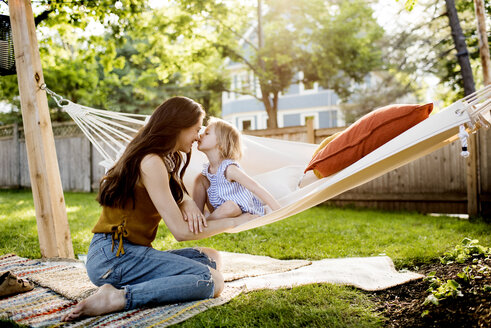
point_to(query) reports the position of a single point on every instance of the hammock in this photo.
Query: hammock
(278, 165)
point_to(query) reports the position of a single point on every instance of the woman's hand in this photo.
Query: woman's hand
(191, 213)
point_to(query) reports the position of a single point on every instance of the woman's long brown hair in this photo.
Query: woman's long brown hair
(158, 136)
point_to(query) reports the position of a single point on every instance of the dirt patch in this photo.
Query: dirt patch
(403, 305)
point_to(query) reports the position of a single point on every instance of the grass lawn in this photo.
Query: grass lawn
(410, 239)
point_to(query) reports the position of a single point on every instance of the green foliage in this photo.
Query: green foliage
(440, 291)
(127, 58)
(468, 248)
(466, 274)
(447, 67)
(335, 52)
(409, 4)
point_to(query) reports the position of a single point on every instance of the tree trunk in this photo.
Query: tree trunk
(483, 41)
(271, 109)
(461, 47)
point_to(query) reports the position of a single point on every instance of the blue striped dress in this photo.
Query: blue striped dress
(222, 190)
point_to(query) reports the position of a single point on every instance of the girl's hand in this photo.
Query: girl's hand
(193, 216)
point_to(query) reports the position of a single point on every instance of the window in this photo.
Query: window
(307, 87)
(245, 82)
(246, 125)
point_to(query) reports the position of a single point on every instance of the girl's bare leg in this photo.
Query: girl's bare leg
(201, 184)
(229, 209)
(106, 300)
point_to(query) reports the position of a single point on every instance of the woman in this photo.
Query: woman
(144, 186)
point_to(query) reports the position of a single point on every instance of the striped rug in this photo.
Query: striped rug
(42, 307)
(60, 285)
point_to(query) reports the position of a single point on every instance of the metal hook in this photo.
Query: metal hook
(60, 101)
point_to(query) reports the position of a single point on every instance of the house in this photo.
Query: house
(294, 106)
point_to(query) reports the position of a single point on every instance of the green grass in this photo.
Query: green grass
(321, 232)
(320, 305)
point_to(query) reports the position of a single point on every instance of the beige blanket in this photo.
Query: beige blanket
(368, 273)
(252, 272)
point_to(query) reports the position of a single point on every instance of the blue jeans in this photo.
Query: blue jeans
(150, 276)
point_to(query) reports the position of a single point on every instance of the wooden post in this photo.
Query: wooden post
(485, 63)
(309, 122)
(49, 202)
(472, 177)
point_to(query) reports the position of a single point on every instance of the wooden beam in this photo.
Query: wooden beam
(49, 202)
(474, 203)
(309, 123)
(472, 177)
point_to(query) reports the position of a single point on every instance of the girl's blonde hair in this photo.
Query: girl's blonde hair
(229, 140)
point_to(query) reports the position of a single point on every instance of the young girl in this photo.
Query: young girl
(223, 185)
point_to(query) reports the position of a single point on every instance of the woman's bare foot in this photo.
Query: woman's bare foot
(106, 300)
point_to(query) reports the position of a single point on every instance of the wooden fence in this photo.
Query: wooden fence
(434, 183)
(77, 158)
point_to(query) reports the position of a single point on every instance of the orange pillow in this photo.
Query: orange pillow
(365, 135)
(322, 145)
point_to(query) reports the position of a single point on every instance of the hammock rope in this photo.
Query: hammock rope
(109, 132)
(278, 164)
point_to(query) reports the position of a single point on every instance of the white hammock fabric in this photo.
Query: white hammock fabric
(278, 165)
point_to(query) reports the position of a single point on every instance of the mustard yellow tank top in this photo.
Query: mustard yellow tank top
(138, 225)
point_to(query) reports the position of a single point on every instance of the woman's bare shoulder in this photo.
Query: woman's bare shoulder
(151, 162)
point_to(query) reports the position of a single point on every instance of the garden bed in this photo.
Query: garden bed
(403, 306)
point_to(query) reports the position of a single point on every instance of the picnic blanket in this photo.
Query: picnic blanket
(60, 284)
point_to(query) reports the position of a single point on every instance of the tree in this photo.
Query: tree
(400, 78)
(441, 50)
(461, 47)
(138, 57)
(177, 60)
(331, 42)
(480, 9)
(72, 59)
(483, 41)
